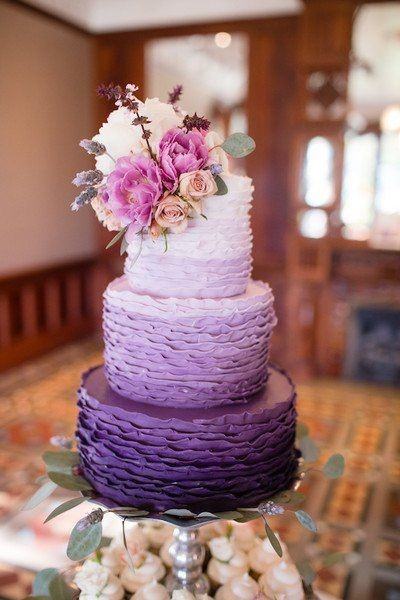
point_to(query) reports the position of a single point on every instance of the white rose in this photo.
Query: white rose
(217, 154)
(162, 116)
(96, 581)
(221, 548)
(119, 137)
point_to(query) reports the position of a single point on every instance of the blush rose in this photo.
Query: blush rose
(197, 185)
(172, 213)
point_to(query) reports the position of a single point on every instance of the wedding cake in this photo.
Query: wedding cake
(186, 412)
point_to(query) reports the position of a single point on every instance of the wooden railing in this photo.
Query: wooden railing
(42, 309)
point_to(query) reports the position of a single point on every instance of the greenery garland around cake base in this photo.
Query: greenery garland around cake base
(64, 471)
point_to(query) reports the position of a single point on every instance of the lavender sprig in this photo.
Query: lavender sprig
(93, 147)
(96, 516)
(83, 198)
(175, 95)
(215, 169)
(196, 122)
(270, 508)
(92, 177)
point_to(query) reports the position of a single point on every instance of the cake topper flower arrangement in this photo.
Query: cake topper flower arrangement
(154, 165)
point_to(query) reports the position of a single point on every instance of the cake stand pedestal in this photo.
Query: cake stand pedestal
(188, 554)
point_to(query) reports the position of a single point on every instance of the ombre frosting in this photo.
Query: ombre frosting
(210, 259)
(187, 352)
(158, 458)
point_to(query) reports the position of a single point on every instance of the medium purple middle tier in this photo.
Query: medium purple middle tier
(159, 458)
(185, 351)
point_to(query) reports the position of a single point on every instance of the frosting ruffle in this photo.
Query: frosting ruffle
(159, 458)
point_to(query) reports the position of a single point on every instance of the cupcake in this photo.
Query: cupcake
(243, 537)
(282, 580)
(262, 556)
(239, 588)
(96, 581)
(164, 552)
(216, 529)
(226, 562)
(156, 533)
(186, 595)
(151, 591)
(147, 567)
(112, 557)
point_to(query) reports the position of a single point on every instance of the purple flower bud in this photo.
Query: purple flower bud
(96, 516)
(84, 198)
(92, 177)
(270, 508)
(215, 169)
(61, 441)
(93, 147)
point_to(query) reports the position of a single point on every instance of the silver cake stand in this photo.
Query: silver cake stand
(187, 552)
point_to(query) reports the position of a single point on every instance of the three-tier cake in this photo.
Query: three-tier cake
(186, 412)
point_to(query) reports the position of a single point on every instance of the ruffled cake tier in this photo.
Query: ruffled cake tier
(210, 259)
(184, 351)
(158, 458)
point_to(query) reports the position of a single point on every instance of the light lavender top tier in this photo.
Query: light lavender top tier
(211, 259)
(187, 352)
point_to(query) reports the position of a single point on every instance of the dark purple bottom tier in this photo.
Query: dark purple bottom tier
(160, 458)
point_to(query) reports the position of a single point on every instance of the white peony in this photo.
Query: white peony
(162, 116)
(96, 581)
(216, 155)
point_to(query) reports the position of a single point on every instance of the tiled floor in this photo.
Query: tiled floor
(358, 514)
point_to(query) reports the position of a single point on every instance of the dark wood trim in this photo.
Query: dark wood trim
(49, 16)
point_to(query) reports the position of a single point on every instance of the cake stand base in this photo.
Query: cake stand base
(187, 555)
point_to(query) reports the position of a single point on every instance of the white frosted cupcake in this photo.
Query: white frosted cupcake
(219, 528)
(156, 533)
(262, 556)
(238, 588)
(186, 595)
(112, 557)
(148, 568)
(151, 591)
(243, 536)
(164, 552)
(282, 581)
(96, 581)
(226, 564)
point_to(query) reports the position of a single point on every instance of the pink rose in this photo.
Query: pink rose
(172, 213)
(181, 152)
(132, 190)
(197, 185)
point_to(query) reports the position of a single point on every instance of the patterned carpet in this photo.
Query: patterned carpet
(358, 514)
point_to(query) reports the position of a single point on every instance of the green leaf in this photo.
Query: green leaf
(68, 505)
(130, 513)
(228, 515)
(334, 466)
(82, 543)
(301, 430)
(289, 498)
(60, 461)
(273, 540)
(308, 449)
(70, 482)
(331, 559)
(306, 571)
(117, 237)
(305, 520)
(59, 590)
(221, 185)
(124, 246)
(179, 512)
(239, 145)
(248, 515)
(42, 581)
(41, 494)
(37, 598)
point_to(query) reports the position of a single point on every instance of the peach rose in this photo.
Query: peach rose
(197, 185)
(172, 213)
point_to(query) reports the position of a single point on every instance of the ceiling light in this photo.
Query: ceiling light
(223, 39)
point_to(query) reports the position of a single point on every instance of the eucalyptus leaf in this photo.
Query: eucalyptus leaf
(84, 542)
(117, 237)
(289, 498)
(60, 461)
(273, 540)
(229, 515)
(221, 185)
(70, 482)
(308, 449)
(305, 520)
(248, 515)
(41, 494)
(331, 559)
(42, 581)
(127, 513)
(301, 430)
(204, 514)
(334, 467)
(59, 590)
(179, 512)
(239, 145)
(67, 505)
(306, 571)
